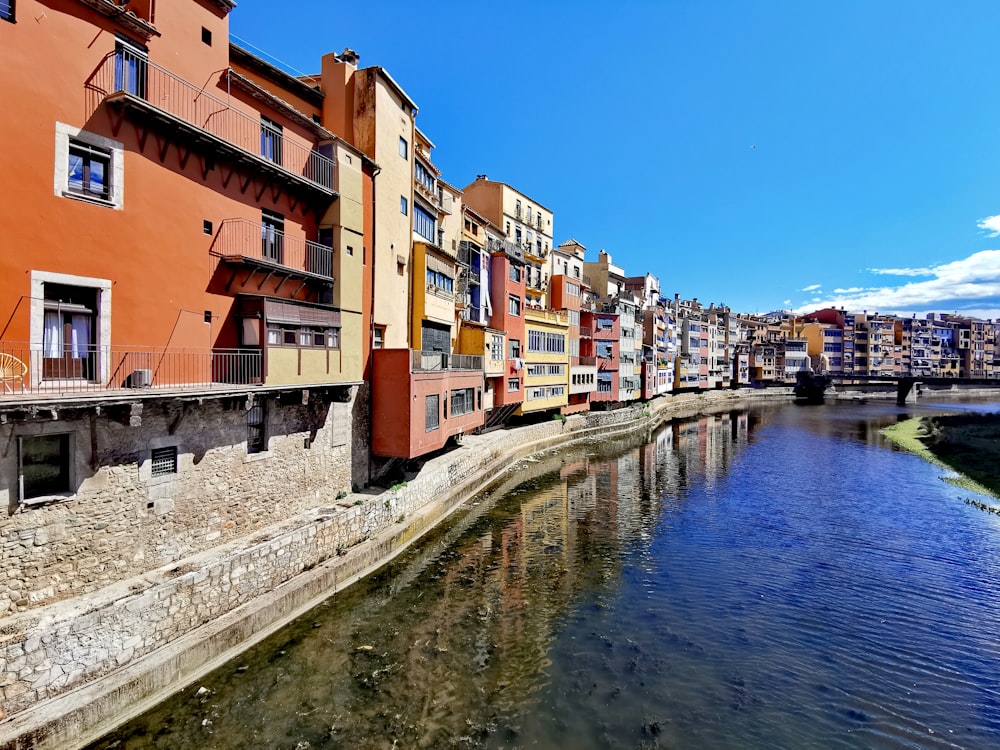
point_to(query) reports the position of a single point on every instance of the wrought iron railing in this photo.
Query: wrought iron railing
(445, 361)
(55, 370)
(242, 237)
(124, 72)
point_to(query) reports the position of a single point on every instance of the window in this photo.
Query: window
(424, 177)
(439, 280)
(515, 273)
(432, 412)
(513, 385)
(496, 348)
(514, 305)
(43, 466)
(88, 170)
(270, 140)
(68, 333)
(573, 290)
(529, 214)
(379, 337)
(131, 64)
(7, 10)
(403, 147)
(404, 205)
(88, 166)
(163, 461)
(462, 402)
(256, 434)
(303, 336)
(206, 227)
(272, 235)
(206, 36)
(517, 236)
(423, 223)
(515, 348)
(517, 210)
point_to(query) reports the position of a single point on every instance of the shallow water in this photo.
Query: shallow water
(775, 578)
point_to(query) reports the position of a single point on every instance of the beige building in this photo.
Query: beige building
(373, 112)
(527, 224)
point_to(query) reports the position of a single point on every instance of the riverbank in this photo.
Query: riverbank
(75, 669)
(964, 443)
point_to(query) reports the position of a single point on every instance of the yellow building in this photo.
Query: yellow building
(546, 360)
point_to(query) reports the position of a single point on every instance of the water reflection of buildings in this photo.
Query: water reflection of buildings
(480, 622)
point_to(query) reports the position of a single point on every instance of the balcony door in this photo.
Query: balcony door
(131, 67)
(272, 236)
(68, 333)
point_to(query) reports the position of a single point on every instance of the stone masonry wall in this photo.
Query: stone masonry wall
(47, 651)
(121, 521)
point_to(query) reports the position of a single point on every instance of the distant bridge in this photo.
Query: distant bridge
(905, 390)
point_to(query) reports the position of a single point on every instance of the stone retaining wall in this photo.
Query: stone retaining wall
(71, 670)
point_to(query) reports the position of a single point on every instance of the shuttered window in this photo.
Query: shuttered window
(432, 410)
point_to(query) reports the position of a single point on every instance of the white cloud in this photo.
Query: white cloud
(811, 288)
(961, 285)
(901, 271)
(851, 290)
(991, 225)
(786, 303)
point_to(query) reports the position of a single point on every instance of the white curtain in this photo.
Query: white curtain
(80, 345)
(52, 335)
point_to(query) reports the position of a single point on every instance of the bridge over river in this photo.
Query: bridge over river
(907, 385)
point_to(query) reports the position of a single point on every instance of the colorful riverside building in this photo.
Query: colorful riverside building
(543, 342)
(185, 281)
(568, 293)
(422, 392)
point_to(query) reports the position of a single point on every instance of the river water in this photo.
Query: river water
(774, 578)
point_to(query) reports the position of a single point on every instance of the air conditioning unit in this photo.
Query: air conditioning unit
(141, 378)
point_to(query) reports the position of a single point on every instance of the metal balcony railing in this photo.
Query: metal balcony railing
(444, 361)
(130, 75)
(588, 361)
(586, 332)
(55, 370)
(245, 238)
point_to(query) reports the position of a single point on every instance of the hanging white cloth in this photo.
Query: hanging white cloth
(80, 325)
(52, 335)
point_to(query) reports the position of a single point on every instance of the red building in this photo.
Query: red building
(606, 343)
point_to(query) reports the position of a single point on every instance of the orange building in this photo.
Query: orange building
(186, 292)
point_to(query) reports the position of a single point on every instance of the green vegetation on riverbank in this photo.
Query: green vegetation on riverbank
(965, 443)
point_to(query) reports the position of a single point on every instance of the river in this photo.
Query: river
(774, 578)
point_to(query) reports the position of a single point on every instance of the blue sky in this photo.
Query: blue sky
(766, 155)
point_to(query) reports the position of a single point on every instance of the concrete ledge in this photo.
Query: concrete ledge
(290, 568)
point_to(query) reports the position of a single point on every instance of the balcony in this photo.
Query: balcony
(426, 361)
(586, 333)
(261, 246)
(169, 104)
(125, 371)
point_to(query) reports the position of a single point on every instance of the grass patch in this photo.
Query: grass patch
(965, 445)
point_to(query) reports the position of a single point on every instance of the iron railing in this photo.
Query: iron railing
(54, 370)
(242, 237)
(132, 74)
(444, 361)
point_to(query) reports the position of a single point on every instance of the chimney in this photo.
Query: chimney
(349, 56)
(480, 177)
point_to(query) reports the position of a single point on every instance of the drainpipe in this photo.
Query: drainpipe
(371, 332)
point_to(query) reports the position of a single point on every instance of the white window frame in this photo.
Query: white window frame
(36, 333)
(116, 177)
